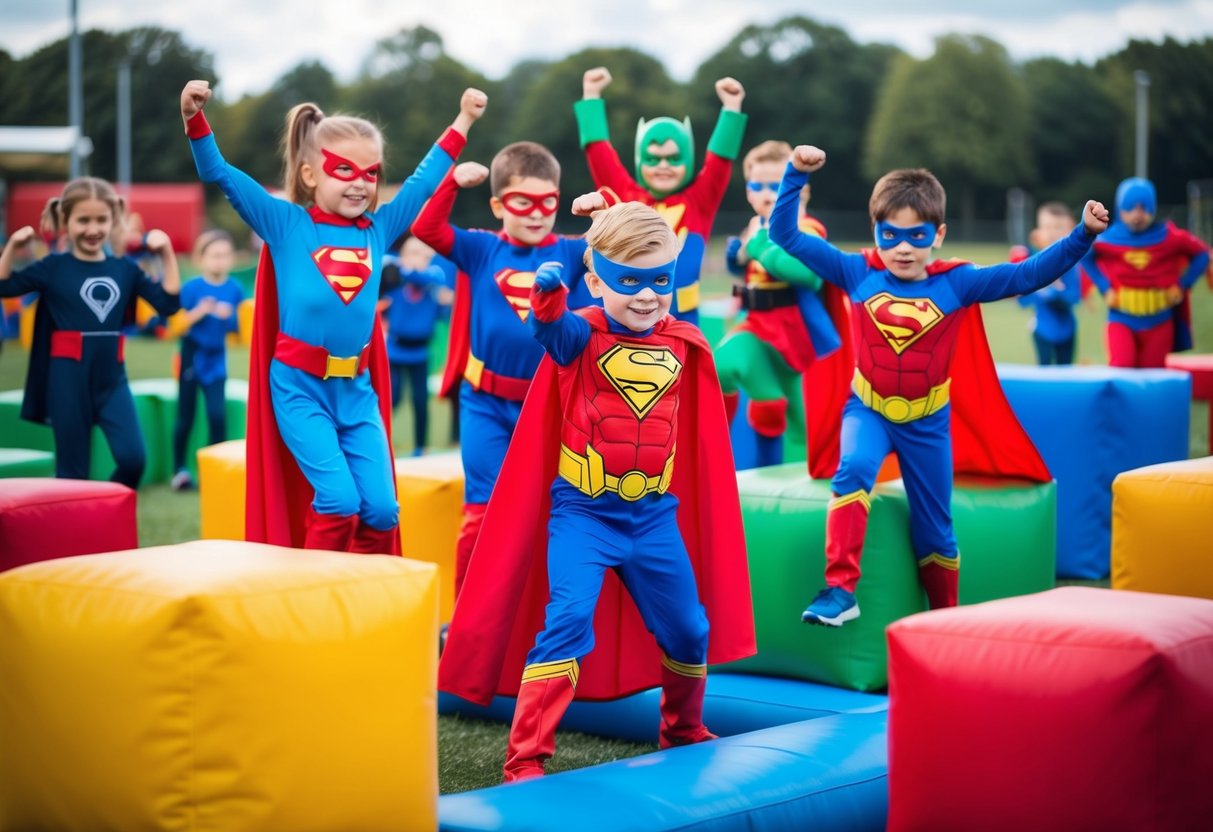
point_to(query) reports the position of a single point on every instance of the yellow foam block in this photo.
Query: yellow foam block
(219, 685)
(1161, 530)
(430, 489)
(244, 321)
(221, 480)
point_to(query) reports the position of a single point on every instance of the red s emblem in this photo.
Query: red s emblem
(516, 286)
(346, 269)
(902, 321)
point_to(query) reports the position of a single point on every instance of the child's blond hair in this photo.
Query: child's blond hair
(308, 129)
(771, 150)
(626, 231)
(58, 209)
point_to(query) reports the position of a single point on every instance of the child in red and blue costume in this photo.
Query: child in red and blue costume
(786, 328)
(665, 153)
(1144, 269)
(320, 470)
(910, 317)
(620, 470)
(77, 370)
(491, 348)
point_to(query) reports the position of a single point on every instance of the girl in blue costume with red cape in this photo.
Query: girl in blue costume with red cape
(320, 470)
(620, 469)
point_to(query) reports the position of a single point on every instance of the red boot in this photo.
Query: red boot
(469, 530)
(546, 691)
(369, 540)
(846, 525)
(682, 687)
(940, 577)
(328, 531)
(768, 418)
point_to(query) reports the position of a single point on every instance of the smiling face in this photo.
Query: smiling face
(905, 260)
(663, 167)
(88, 228)
(527, 208)
(643, 309)
(344, 177)
(762, 186)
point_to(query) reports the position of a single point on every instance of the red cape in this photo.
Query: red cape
(987, 438)
(458, 338)
(500, 609)
(277, 494)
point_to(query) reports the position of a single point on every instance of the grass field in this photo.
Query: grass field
(471, 752)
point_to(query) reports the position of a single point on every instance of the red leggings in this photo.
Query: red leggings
(1140, 347)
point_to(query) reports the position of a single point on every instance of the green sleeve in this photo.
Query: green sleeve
(591, 120)
(726, 137)
(779, 264)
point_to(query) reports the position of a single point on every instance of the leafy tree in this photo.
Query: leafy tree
(963, 113)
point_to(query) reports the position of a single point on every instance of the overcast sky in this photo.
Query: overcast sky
(256, 41)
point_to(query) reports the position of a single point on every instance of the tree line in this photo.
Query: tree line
(982, 122)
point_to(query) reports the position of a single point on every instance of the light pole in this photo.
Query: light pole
(75, 103)
(1141, 79)
(124, 127)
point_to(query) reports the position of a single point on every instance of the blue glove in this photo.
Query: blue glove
(547, 276)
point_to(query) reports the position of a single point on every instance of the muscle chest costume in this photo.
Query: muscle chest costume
(911, 341)
(316, 335)
(492, 354)
(77, 374)
(691, 210)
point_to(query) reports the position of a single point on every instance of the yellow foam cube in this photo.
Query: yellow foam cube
(244, 321)
(219, 685)
(221, 483)
(1161, 529)
(430, 490)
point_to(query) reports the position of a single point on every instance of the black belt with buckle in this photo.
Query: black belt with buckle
(762, 299)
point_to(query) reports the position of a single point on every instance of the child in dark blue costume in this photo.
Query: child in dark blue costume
(77, 375)
(1054, 327)
(209, 302)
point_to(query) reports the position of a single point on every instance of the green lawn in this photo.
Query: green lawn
(471, 752)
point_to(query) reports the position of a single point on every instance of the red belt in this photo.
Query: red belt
(318, 361)
(69, 343)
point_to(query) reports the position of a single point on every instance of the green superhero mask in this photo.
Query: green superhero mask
(657, 132)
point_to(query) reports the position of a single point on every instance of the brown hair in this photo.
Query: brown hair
(58, 209)
(308, 129)
(522, 159)
(913, 188)
(769, 151)
(628, 230)
(208, 238)
(1056, 209)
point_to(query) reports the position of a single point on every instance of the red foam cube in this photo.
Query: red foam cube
(43, 518)
(1076, 708)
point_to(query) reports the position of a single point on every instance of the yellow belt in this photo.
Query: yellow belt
(586, 474)
(898, 409)
(1141, 301)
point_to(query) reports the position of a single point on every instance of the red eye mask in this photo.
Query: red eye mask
(521, 204)
(332, 162)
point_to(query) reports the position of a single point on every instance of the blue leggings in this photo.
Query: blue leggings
(94, 392)
(187, 406)
(487, 424)
(419, 396)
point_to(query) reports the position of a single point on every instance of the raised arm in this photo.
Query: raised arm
(820, 256)
(562, 334)
(724, 146)
(606, 169)
(159, 243)
(19, 238)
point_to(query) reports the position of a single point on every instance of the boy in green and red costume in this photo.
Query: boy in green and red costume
(665, 153)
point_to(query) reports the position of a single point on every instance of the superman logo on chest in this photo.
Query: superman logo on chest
(347, 270)
(902, 321)
(515, 287)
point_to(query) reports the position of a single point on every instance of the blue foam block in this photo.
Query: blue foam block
(734, 703)
(1090, 424)
(824, 774)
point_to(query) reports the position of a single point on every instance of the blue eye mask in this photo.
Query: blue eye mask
(613, 274)
(890, 236)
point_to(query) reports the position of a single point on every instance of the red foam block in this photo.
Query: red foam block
(42, 518)
(1076, 708)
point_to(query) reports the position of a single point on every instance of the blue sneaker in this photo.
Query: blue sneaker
(833, 606)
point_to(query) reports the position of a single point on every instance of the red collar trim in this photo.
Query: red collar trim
(546, 241)
(317, 215)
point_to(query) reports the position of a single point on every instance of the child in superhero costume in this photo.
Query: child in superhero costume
(910, 317)
(492, 354)
(209, 304)
(318, 446)
(786, 326)
(620, 470)
(77, 374)
(1054, 327)
(1144, 269)
(665, 153)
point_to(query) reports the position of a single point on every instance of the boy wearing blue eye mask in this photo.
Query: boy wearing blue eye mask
(620, 464)
(909, 318)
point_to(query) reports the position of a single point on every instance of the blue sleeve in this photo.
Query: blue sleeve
(470, 250)
(1195, 269)
(823, 258)
(29, 279)
(265, 214)
(427, 277)
(397, 215)
(1091, 267)
(978, 284)
(190, 294)
(563, 338)
(732, 249)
